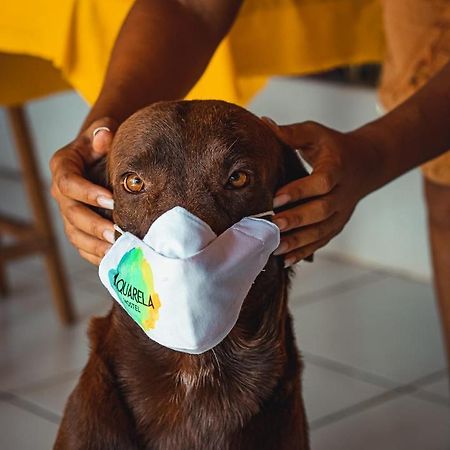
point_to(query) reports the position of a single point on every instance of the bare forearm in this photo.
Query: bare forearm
(413, 133)
(162, 49)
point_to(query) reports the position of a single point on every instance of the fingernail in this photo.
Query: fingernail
(282, 248)
(107, 250)
(281, 223)
(289, 262)
(97, 130)
(105, 202)
(281, 200)
(108, 235)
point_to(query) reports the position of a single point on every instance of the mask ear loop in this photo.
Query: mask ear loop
(118, 229)
(263, 214)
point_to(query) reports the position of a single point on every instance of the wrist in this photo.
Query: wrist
(374, 147)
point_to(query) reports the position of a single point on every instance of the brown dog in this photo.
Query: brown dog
(246, 392)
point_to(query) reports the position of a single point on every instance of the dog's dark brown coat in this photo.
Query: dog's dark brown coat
(246, 392)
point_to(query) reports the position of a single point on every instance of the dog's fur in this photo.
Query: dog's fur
(246, 392)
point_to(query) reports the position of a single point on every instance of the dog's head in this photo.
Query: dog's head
(215, 159)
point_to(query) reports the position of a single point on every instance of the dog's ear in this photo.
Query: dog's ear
(292, 166)
(292, 169)
(98, 174)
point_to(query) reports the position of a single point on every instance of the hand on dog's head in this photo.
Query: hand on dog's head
(215, 159)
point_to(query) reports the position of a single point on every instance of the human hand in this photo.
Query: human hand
(91, 234)
(343, 165)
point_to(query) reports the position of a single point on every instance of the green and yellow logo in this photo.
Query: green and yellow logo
(133, 282)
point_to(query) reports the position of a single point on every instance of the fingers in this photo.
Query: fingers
(68, 183)
(308, 138)
(316, 184)
(314, 211)
(87, 231)
(90, 258)
(102, 140)
(86, 220)
(100, 135)
(68, 166)
(297, 135)
(310, 234)
(297, 255)
(86, 243)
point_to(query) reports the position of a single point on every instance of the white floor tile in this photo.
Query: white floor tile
(51, 396)
(321, 275)
(21, 430)
(389, 327)
(37, 346)
(39, 351)
(440, 388)
(326, 391)
(30, 294)
(404, 423)
(33, 344)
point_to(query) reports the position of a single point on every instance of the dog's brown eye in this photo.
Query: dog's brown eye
(133, 183)
(238, 179)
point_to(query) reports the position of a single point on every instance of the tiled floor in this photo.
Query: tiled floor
(375, 375)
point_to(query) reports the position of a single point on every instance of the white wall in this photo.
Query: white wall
(54, 120)
(388, 228)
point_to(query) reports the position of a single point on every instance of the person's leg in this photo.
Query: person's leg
(438, 203)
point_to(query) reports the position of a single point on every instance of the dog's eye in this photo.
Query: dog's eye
(133, 183)
(238, 179)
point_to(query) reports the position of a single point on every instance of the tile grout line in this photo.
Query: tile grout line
(370, 377)
(373, 402)
(393, 389)
(377, 268)
(431, 397)
(350, 371)
(339, 288)
(30, 407)
(359, 407)
(45, 382)
(414, 387)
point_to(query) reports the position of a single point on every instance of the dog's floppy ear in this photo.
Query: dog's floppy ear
(98, 174)
(292, 166)
(292, 169)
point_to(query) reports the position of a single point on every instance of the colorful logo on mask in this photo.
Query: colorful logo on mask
(133, 283)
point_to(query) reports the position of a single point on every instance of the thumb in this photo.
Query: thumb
(101, 141)
(101, 133)
(303, 136)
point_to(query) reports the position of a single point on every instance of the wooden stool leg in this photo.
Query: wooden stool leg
(36, 189)
(4, 289)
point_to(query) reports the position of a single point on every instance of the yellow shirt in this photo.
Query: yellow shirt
(49, 45)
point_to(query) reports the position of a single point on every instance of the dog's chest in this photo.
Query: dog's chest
(185, 409)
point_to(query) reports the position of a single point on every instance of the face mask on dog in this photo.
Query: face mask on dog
(183, 284)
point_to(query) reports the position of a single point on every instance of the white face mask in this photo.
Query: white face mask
(183, 284)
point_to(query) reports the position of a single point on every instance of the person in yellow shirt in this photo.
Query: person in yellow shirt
(165, 46)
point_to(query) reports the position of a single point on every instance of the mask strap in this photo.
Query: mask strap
(263, 214)
(118, 229)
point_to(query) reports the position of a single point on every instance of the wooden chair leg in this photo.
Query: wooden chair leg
(43, 225)
(4, 288)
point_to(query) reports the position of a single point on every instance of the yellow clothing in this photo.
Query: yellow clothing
(70, 42)
(418, 46)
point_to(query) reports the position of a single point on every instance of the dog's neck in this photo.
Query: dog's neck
(233, 379)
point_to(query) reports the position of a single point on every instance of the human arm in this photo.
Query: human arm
(349, 166)
(162, 49)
